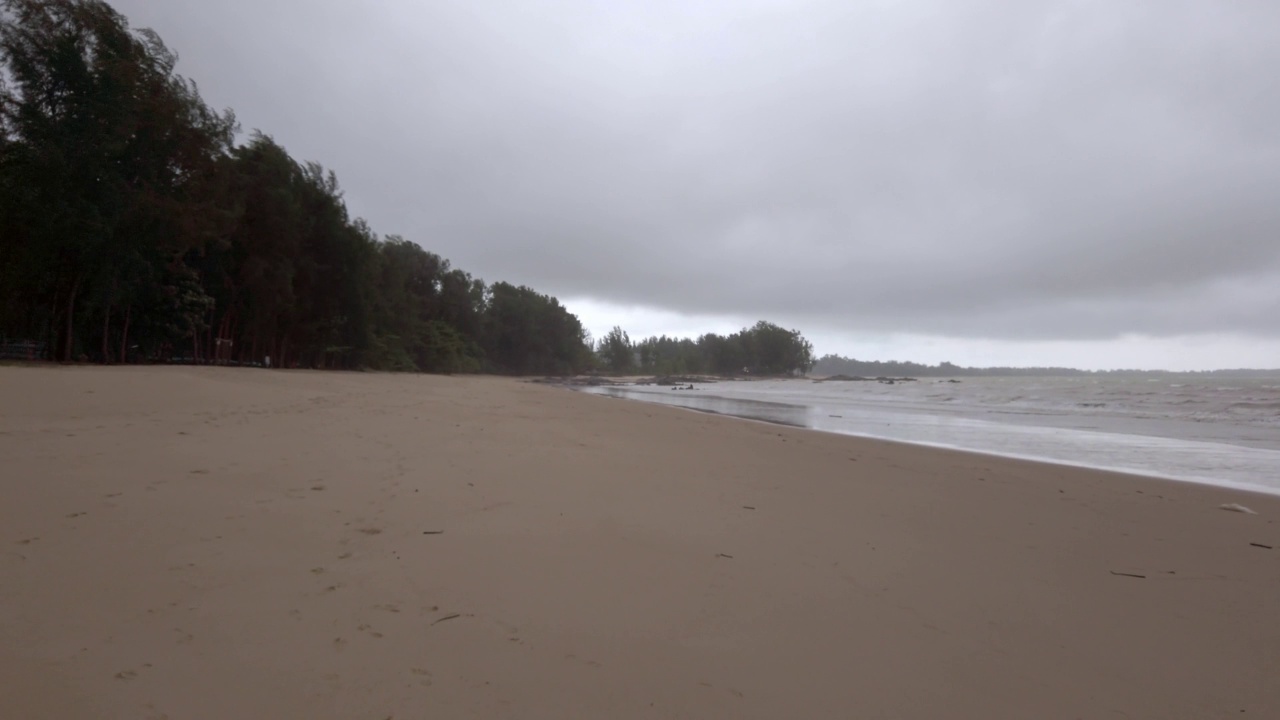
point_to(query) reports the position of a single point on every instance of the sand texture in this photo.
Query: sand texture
(217, 543)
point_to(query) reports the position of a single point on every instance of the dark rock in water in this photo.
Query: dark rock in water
(578, 381)
(848, 378)
(673, 380)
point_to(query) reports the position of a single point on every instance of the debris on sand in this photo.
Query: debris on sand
(1236, 507)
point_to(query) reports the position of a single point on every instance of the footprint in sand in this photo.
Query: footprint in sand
(76, 515)
(423, 676)
(371, 531)
(574, 658)
(126, 675)
(368, 630)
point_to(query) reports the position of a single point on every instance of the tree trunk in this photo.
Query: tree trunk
(124, 335)
(211, 348)
(71, 317)
(226, 343)
(51, 336)
(106, 336)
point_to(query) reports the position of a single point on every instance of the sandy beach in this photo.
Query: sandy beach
(219, 543)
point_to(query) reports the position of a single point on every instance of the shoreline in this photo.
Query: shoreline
(372, 545)
(1243, 486)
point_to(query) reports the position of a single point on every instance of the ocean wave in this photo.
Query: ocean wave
(1256, 406)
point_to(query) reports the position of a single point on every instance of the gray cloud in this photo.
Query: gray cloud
(1033, 169)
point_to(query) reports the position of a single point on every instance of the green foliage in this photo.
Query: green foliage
(527, 333)
(132, 227)
(764, 349)
(616, 351)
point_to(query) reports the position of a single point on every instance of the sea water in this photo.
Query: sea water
(1200, 428)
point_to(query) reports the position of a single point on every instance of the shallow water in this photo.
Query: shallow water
(1222, 432)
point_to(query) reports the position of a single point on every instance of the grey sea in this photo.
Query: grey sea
(1199, 428)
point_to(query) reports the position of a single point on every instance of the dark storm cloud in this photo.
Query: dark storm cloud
(1029, 169)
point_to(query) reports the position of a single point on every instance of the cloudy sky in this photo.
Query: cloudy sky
(1087, 182)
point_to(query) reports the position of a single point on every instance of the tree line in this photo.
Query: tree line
(763, 349)
(134, 227)
(829, 365)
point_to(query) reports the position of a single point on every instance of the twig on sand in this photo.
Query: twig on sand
(432, 532)
(724, 556)
(748, 507)
(447, 617)
(1133, 575)
(1264, 547)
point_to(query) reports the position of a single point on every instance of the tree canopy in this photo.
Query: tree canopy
(134, 227)
(763, 349)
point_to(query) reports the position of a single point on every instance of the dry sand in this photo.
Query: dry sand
(207, 543)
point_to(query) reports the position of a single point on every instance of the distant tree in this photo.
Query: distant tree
(837, 365)
(773, 350)
(527, 333)
(616, 351)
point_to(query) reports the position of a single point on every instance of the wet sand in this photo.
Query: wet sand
(214, 543)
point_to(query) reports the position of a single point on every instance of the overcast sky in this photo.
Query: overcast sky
(1091, 182)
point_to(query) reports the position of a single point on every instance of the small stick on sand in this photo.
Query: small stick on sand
(1133, 575)
(447, 617)
(1264, 547)
(432, 532)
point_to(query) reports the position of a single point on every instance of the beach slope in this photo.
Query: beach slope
(218, 543)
